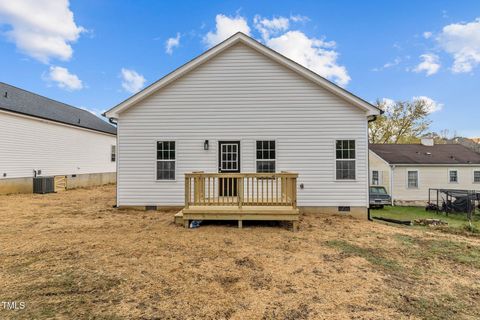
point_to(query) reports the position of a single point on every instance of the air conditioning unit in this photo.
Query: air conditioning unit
(43, 185)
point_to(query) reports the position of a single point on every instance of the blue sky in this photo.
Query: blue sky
(94, 54)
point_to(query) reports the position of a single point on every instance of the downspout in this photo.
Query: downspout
(373, 118)
(392, 168)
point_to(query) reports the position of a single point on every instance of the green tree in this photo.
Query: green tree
(401, 122)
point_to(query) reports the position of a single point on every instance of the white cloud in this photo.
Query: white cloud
(315, 54)
(42, 29)
(269, 27)
(299, 18)
(132, 81)
(226, 27)
(172, 43)
(432, 105)
(430, 64)
(427, 34)
(64, 79)
(387, 104)
(462, 41)
(389, 64)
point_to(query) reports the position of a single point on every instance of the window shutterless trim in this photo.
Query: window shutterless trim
(113, 153)
(450, 178)
(165, 160)
(355, 159)
(378, 178)
(418, 179)
(274, 160)
(473, 174)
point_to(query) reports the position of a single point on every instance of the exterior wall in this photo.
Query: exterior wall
(241, 95)
(25, 185)
(383, 168)
(28, 144)
(429, 177)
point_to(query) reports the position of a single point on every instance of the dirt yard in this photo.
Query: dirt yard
(71, 255)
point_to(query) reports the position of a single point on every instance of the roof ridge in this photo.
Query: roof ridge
(44, 97)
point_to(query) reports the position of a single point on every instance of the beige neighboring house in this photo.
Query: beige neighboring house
(407, 171)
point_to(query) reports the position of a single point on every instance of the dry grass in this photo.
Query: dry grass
(73, 256)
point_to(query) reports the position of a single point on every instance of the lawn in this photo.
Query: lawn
(72, 256)
(454, 220)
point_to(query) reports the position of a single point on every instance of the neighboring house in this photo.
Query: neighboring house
(409, 170)
(43, 137)
(242, 107)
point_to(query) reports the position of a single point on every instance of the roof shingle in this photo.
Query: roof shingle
(420, 154)
(21, 101)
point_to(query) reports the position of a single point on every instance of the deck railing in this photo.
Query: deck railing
(241, 189)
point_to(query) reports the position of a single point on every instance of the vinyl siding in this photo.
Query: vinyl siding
(378, 164)
(241, 95)
(431, 177)
(28, 144)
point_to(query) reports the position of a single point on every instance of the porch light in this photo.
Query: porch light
(205, 145)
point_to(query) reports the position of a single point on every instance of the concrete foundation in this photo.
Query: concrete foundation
(90, 180)
(356, 212)
(16, 185)
(25, 185)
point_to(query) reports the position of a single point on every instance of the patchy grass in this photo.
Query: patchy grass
(454, 220)
(72, 256)
(375, 256)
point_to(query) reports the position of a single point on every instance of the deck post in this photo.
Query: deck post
(294, 226)
(240, 224)
(187, 190)
(186, 223)
(294, 192)
(240, 192)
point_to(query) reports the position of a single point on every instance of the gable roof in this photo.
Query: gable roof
(424, 155)
(239, 37)
(20, 101)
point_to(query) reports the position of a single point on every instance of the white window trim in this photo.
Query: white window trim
(274, 160)
(113, 151)
(156, 160)
(335, 160)
(448, 177)
(378, 177)
(473, 175)
(418, 179)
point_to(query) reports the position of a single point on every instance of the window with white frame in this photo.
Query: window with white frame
(266, 156)
(453, 176)
(375, 178)
(476, 176)
(345, 159)
(165, 160)
(412, 179)
(113, 154)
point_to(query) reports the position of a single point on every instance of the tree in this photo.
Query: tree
(401, 122)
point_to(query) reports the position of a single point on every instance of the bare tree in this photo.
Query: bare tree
(401, 122)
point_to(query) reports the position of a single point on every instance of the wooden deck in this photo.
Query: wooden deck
(240, 196)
